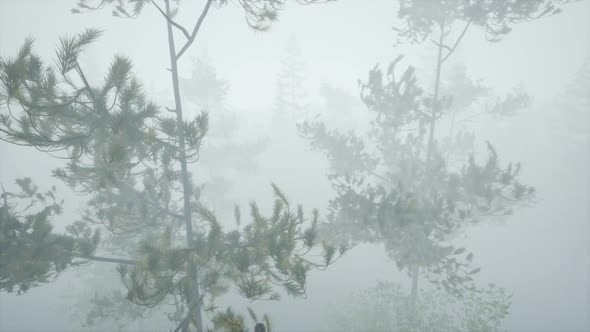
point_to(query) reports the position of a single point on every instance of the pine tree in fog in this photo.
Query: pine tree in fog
(227, 154)
(574, 110)
(407, 183)
(130, 157)
(291, 99)
(384, 308)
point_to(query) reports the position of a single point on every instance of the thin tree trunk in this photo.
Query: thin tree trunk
(435, 108)
(412, 303)
(415, 275)
(194, 299)
(110, 260)
(434, 111)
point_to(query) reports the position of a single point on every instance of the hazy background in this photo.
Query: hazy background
(541, 254)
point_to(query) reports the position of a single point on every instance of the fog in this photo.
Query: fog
(540, 253)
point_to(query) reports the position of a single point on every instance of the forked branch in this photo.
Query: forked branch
(193, 35)
(457, 42)
(169, 19)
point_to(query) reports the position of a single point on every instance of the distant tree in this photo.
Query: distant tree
(342, 108)
(385, 308)
(470, 99)
(131, 160)
(574, 110)
(205, 88)
(396, 184)
(291, 102)
(227, 152)
(337, 100)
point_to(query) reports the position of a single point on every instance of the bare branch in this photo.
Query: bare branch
(169, 19)
(457, 42)
(85, 81)
(441, 45)
(110, 260)
(195, 29)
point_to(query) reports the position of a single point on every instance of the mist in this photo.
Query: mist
(287, 106)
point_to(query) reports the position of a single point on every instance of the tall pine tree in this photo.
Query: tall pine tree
(397, 184)
(131, 159)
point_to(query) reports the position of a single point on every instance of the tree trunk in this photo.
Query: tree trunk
(194, 301)
(435, 108)
(415, 271)
(414, 292)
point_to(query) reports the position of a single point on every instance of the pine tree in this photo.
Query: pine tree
(396, 184)
(30, 253)
(131, 160)
(291, 102)
(205, 88)
(575, 103)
